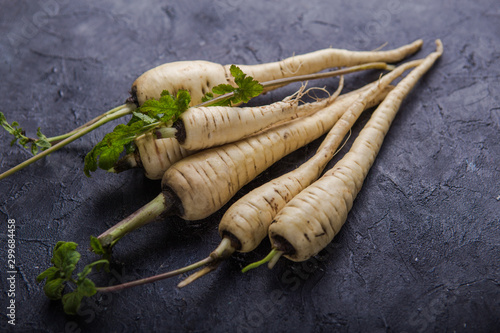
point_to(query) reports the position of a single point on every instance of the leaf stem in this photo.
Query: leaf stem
(109, 117)
(58, 138)
(315, 76)
(143, 216)
(223, 251)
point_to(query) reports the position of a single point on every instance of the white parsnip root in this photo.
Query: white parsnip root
(206, 181)
(309, 222)
(205, 127)
(199, 77)
(153, 155)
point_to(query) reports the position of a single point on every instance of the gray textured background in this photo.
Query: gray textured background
(420, 249)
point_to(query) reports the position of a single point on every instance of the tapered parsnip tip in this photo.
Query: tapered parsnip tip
(222, 252)
(439, 46)
(195, 276)
(418, 43)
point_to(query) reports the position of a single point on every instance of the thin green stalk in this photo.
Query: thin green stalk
(268, 258)
(58, 138)
(127, 110)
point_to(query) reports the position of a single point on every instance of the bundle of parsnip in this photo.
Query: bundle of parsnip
(161, 94)
(217, 150)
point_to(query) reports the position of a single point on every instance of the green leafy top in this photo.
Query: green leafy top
(154, 114)
(247, 89)
(20, 136)
(64, 260)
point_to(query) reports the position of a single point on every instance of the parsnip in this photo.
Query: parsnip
(199, 77)
(153, 155)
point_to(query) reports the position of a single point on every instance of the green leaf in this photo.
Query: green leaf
(59, 244)
(110, 156)
(222, 89)
(130, 148)
(65, 258)
(19, 136)
(5, 124)
(247, 88)
(144, 117)
(86, 288)
(69, 264)
(71, 302)
(107, 152)
(152, 114)
(50, 273)
(42, 141)
(61, 250)
(183, 99)
(96, 245)
(168, 107)
(15, 130)
(34, 149)
(90, 162)
(207, 97)
(54, 288)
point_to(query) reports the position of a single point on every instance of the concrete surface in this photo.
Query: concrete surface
(420, 249)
